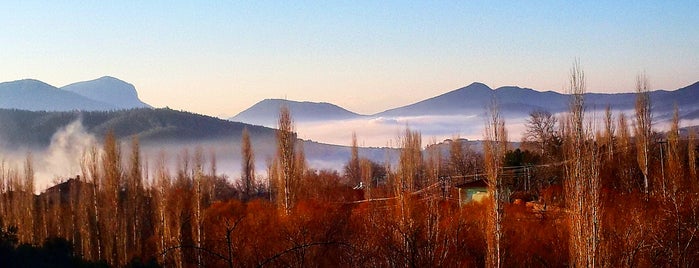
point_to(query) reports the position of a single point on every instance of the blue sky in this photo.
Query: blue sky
(219, 58)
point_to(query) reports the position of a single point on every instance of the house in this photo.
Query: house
(472, 191)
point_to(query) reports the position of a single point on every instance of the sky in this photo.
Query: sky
(221, 57)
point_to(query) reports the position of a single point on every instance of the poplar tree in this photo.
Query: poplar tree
(642, 130)
(353, 170)
(287, 179)
(112, 181)
(248, 165)
(581, 186)
(692, 155)
(494, 147)
(411, 164)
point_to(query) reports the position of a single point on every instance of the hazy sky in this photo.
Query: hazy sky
(218, 58)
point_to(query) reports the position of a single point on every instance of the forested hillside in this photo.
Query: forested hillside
(29, 128)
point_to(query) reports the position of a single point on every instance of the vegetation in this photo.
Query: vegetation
(569, 196)
(36, 128)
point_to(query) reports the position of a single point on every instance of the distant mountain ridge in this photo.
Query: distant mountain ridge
(266, 112)
(473, 99)
(477, 96)
(102, 94)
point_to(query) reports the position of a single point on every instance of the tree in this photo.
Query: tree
(540, 129)
(643, 127)
(91, 173)
(609, 131)
(115, 246)
(692, 154)
(582, 187)
(494, 147)
(366, 172)
(353, 170)
(248, 165)
(287, 179)
(675, 167)
(135, 197)
(411, 163)
(433, 165)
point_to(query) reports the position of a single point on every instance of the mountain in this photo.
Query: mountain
(109, 90)
(461, 113)
(23, 128)
(266, 112)
(103, 94)
(520, 101)
(34, 95)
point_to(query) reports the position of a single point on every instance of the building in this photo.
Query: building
(472, 191)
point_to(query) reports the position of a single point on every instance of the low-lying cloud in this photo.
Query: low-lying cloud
(384, 131)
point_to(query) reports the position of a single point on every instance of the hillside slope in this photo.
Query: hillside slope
(35, 128)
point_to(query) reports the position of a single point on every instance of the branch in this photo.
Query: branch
(295, 248)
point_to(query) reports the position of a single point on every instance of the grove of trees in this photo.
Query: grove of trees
(573, 194)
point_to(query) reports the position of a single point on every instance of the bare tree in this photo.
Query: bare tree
(609, 132)
(353, 170)
(366, 171)
(540, 129)
(248, 165)
(135, 197)
(692, 154)
(625, 159)
(495, 147)
(112, 181)
(643, 127)
(411, 162)
(162, 190)
(433, 165)
(286, 156)
(674, 158)
(197, 225)
(582, 185)
(90, 170)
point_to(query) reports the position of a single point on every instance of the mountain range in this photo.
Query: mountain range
(472, 100)
(102, 94)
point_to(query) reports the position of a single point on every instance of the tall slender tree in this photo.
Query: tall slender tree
(494, 147)
(582, 185)
(609, 132)
(286, 157)
(135, 197)
(411, 163)
(675, 166)
(353, 170)
(112, 181)
(643, 128)
(692, 154)
(248, 165)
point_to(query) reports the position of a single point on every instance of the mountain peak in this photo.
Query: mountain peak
(266, 111)
(110, 78)
(27, 83)
(110, 90)
(478, 85)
